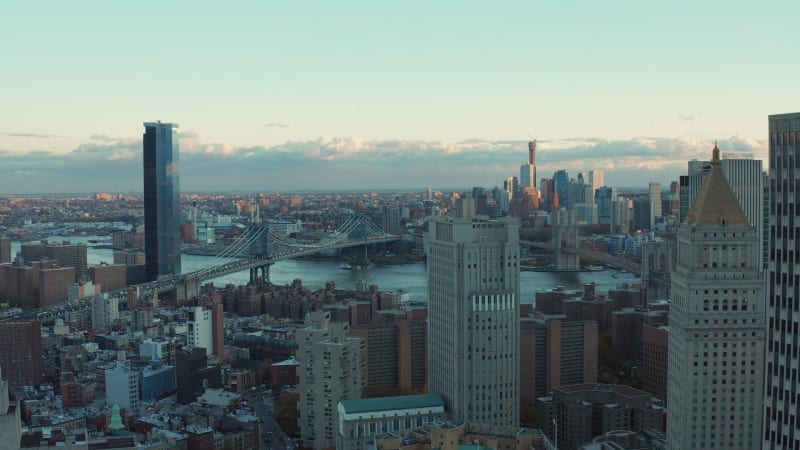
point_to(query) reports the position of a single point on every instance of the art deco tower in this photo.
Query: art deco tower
(162, 213)
(473, 317)
(716, 325)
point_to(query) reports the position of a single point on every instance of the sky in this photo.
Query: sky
(321, 95)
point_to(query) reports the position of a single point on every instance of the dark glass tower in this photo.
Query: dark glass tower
(162, 213)
(782, 397)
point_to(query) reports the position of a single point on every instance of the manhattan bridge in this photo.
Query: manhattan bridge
(254, 250)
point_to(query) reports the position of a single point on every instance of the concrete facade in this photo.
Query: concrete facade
(331, 370)
(716, 325)
(473, 317)
(781, 418)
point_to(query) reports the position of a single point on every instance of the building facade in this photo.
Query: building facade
(5, 250)
(473, 317)
(555, 352)
(162, 208)
(122, 387)
(655, 200)
(105, 310)
(330, 371)
(10, 424)
(66, 253)
(360, 421)
(21, 352)
(716, 325)
(781, 418)
(583, 411)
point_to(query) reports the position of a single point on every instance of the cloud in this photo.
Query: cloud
(31, 135)
(331, 163)
(686, 117)
(277, 125)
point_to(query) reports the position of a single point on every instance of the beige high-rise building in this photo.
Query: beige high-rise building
(473, 317)
(330, 371)
(716, 325)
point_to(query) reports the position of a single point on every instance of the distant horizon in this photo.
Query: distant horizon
(274, 192)
(322, 96)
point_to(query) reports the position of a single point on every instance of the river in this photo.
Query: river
(408, 277)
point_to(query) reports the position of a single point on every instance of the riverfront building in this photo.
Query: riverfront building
(162, 208)
(473, 317)
(716, 325)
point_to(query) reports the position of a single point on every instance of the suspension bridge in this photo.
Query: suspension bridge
(254, 250)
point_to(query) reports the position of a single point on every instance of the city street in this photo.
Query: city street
(272, 435)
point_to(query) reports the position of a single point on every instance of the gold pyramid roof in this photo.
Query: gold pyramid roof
(716, 203)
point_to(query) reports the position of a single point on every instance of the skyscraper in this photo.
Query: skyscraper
(162, 214)
(527, 172)
(781, 418)
(561, 187)
(597, 178)
(655, 202)
(473, 321)
(716, 325)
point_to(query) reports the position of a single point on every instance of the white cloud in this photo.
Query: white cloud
(336, 162)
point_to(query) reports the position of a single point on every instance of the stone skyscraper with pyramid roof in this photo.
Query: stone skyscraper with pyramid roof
(716, 325)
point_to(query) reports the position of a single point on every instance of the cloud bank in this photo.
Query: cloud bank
(112, 164)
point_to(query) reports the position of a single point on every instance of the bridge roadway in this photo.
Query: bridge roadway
(169, 283)
(606, 258)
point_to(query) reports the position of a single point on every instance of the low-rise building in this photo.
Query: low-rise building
(360, 421)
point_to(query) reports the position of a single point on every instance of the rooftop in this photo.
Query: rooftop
(716, 203)
(392, 403)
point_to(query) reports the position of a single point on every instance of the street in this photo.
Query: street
(272, 435)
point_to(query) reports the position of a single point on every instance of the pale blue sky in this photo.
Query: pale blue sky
(430, 71)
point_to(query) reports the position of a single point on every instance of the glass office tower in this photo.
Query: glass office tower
(162, 213)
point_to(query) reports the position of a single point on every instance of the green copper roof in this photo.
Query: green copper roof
(391, 403)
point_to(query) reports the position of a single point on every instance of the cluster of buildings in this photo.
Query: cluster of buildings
(472, 368)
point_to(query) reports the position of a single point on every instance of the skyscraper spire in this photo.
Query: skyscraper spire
(715, 153)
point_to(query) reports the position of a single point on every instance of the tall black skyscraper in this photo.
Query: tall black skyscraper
(782, 397)
(162, 213)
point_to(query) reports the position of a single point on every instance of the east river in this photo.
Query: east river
(408, 277)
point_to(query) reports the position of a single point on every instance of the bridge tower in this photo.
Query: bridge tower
(658, 262)
(565, 236)
(260, 249)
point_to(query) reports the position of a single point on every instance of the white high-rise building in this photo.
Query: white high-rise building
(596, 178)
(122, 387)
(655, 202)
(473, 317)
(781, 398)
(105, 310)
(716, 325)
(200, 330)
(527, 176)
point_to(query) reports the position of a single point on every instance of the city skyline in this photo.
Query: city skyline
(387, 87)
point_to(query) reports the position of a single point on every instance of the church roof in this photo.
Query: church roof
(716, 203)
